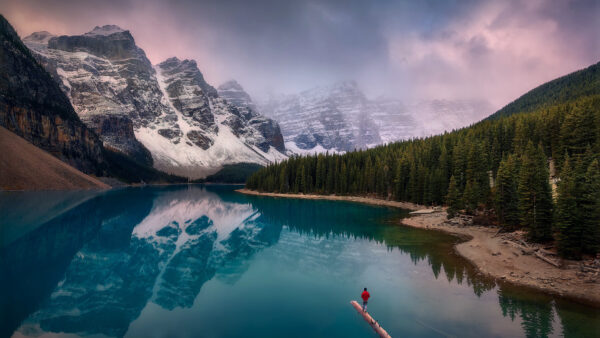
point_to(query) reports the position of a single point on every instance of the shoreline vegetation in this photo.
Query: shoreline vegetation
(499, 256)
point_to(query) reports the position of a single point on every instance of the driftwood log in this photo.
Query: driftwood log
(547, 260)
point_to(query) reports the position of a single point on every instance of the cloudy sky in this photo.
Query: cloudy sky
(470, 49)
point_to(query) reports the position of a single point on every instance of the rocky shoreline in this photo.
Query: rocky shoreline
(505, 257)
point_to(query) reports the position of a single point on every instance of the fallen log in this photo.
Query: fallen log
(546, 252)
(374, 324)
(547, 260)
(523, 243)
(524, 250)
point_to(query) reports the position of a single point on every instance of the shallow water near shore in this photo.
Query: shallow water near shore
(205, 261)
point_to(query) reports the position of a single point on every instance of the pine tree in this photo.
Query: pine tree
(535, 196)
(284, 186)
(321, 175)
(590, 209)
(567, 215)
(471, 196)
(506, 195)
(453, 198)
(343, 179)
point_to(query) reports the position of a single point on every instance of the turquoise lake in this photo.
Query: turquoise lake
(205, 261)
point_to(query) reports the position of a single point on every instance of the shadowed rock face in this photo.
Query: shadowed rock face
(33, 107)
(118, 131)
(199, 139)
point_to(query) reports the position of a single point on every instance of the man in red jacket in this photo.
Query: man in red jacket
(365, 296)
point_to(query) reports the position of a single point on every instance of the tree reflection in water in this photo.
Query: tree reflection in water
(94, 268)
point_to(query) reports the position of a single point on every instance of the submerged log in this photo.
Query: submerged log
(374, 324)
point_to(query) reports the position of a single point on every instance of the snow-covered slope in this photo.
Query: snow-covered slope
(165, 115)
(208, 132)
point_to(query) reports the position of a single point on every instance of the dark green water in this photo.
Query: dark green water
(208, 262)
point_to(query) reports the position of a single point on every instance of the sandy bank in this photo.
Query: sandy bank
(489, 253)
(495, 256)
(24, 166)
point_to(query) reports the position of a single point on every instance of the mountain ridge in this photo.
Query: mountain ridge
(582, 82)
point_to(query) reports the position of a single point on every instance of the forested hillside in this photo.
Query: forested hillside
(582, 83)
(500, 165)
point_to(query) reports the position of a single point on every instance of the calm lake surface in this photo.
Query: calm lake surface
(201, 261)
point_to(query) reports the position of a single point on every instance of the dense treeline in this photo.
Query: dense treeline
(499, 165)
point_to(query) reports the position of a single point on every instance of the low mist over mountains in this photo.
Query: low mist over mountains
(164, 115)
(341, 118)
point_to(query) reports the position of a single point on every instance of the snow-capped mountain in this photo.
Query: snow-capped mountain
(341, 118)
(335, 118)
(165, 115)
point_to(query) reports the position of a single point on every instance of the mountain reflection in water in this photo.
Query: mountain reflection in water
(101, 265)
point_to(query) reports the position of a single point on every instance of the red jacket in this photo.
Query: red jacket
(365, 296)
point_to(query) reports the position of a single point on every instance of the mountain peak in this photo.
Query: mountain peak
(177, 62)
(105, 30)
(174, 65)
(39, 37)
(172, 59)
(235, 94)
(231, 85)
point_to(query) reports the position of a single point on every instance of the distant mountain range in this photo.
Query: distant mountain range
(339, 118)
(96, 102)
(164, 115)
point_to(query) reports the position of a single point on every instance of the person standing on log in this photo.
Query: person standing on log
(365, 297)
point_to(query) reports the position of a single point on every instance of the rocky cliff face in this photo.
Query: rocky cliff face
(33, 107)
(166, 115)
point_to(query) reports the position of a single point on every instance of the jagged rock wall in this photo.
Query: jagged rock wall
(33, 107)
